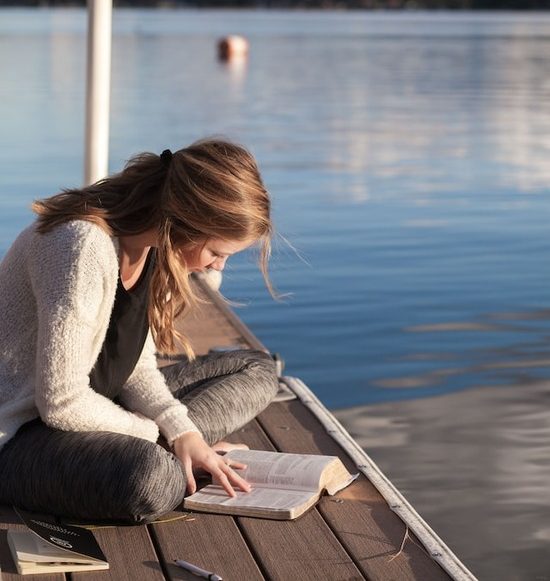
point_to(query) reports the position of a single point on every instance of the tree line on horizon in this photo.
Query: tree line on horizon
(305, 4)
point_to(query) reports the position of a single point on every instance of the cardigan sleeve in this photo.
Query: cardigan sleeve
(71, 278)
(147, 393)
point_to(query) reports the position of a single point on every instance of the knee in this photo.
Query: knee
(91, 476)
(131, 480)
(156, 485)
(255, 356)
(259, 379)
(256, 370)
(265, 373)
(260, 362)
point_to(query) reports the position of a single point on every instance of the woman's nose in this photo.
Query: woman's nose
(219, 264)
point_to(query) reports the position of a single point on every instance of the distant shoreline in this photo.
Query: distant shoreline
(328, 5)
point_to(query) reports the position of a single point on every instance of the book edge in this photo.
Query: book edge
(25, 567)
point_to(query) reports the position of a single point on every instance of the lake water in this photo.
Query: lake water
(408, 159)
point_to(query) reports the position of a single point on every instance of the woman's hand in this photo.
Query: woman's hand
(194, 452)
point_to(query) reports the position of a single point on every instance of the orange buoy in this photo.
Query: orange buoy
(232, 46)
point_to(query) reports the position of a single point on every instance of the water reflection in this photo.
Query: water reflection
(478, 461)
(236, 67)
(479, 457)
(519, 360)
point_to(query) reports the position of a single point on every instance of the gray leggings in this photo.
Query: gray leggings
(105, 476)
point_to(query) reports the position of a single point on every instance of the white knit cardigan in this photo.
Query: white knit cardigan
(56, 296)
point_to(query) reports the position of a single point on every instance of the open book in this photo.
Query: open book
(52, 548)
(283, 485)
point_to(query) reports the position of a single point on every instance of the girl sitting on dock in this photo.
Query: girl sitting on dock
(88, 292)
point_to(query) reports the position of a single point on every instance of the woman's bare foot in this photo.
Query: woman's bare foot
(223, 446)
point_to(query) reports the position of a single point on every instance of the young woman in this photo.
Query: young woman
(87, 294)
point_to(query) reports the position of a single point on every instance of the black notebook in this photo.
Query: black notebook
(48, 547)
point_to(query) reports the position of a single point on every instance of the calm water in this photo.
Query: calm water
(408, 157)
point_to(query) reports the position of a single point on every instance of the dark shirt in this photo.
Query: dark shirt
(128, 328)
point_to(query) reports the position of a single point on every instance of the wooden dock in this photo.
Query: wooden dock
(353, 535)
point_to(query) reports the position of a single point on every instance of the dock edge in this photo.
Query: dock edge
(436, 548)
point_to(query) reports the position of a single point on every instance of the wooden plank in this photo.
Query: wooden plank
(233, 321)
(284, 549)
(213, 542)
(371, 532)
(253, 436)
(373, 538)
(218, 333)
(213, 324)
(9, 520)
(359, 516)
(281, 548)
(130, 553)
(210, 541)
(304, 548)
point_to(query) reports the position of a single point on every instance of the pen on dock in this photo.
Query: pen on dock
(197, 570)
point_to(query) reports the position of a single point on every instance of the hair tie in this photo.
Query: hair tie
(166, 157)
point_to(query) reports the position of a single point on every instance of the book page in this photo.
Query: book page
(291, 471)
(262, 498)
(335, 486)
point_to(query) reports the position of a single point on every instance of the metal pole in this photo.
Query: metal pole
(98, 89)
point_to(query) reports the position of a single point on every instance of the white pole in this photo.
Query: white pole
(98, 89)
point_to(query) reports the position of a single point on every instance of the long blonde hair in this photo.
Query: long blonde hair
(211, 189)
